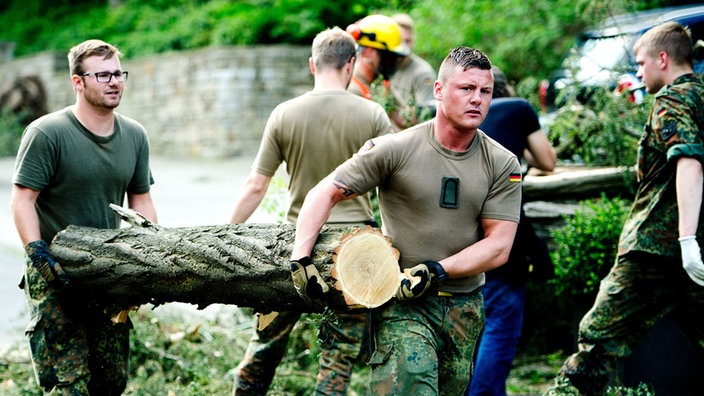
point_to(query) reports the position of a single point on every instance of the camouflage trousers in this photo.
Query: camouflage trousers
(425, 346)
(76, 350)
(639, 290)
(343, 339)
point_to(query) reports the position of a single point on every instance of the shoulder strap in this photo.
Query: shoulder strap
(362, 87)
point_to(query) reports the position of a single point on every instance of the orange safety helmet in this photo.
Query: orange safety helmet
(380, 32)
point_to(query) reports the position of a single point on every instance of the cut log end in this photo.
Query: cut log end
(366, 268)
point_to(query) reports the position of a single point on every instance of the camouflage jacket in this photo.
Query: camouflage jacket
(675, 129)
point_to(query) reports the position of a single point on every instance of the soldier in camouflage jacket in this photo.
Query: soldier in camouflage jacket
(659, 268)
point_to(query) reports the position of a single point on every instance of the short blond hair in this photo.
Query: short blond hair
(403, 20)
(333, 48)
(670, 37)
(87, 49)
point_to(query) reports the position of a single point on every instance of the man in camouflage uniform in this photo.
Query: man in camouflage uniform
(312, 134)
(659, 268)
(449, 198)
(70, 166)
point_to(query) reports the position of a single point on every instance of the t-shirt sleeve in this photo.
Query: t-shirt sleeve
(504, 199)
(269, 156)
(36, 157)
(368, 167)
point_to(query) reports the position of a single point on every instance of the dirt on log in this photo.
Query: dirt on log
(242, 264)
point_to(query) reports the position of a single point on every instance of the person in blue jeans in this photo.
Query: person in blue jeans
(514, 124)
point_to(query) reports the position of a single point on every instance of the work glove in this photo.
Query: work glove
(51, 271)
(306, 279)
(431, 275)
(692, 259)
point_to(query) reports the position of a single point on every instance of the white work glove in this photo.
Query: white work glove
(692, 259)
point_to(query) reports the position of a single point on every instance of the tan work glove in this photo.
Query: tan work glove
(306, 279)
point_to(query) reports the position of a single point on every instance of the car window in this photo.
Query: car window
(595, 55)
(604, 52)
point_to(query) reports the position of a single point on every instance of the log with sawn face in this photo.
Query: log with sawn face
(241, 264)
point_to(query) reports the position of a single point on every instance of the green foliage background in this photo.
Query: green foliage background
(602, 132)
(527, 38)
(586, 246)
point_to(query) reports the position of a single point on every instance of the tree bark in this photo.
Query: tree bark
(577, 184)
(242, 264)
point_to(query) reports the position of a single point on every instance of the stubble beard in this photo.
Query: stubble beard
(98, 100)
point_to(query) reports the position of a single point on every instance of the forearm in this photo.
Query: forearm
(539, 152)
(480, 257)
(27, 224)
(315, 212)
(251, 196)
(24, 214)
(688, 183)
(486, 254)
(142, 203)
(311, 218)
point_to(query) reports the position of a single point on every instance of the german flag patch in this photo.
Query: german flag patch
(514, 178)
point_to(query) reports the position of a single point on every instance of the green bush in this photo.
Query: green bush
(587, 245)
(602, 132)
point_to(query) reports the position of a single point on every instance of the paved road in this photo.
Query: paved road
(187, 192)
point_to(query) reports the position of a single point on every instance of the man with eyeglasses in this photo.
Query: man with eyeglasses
(70, 166)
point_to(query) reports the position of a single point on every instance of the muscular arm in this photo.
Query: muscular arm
(540, 153)
(143, 204)
(250, 197)
(24, 213)
(315, 211)
(689, 194)
(488, 253)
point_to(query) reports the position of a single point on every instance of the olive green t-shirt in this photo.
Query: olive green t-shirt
(431, 199)
(78, 173)
(313, 134)
(414, 82)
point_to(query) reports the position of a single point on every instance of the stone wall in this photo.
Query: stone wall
(210, 102)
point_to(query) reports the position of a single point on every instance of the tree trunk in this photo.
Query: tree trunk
(580, 183)
(243, 264)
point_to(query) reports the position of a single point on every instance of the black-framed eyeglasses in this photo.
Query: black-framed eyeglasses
(105, 76)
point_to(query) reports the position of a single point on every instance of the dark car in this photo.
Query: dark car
(603, 57)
